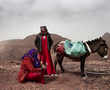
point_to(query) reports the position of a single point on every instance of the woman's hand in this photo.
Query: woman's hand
(38, 56)
(44, 66)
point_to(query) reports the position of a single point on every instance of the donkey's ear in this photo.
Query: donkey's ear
(100, 38)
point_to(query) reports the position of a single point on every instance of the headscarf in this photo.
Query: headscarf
(45, 31)
(33, 54)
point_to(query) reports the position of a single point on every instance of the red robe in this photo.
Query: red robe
(28, 72)
(46, 57)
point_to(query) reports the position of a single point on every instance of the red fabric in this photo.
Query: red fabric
(35, 77)
(46, 57)
(60, 49)
(27, 68)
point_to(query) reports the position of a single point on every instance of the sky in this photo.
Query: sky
(74, 19)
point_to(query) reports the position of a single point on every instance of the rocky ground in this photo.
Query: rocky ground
(98, 72)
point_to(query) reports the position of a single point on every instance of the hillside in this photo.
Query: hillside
(14, 49)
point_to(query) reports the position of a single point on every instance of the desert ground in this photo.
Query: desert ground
(97, 69)
(98, 72)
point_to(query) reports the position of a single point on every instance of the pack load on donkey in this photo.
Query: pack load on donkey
(74, 49)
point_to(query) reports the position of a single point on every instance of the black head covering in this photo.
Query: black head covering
(44, 28)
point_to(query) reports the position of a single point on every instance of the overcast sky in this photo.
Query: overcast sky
(74, 19)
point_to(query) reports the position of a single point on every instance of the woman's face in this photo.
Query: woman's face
(43, 30)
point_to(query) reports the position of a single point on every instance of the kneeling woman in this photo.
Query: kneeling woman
(30, 69)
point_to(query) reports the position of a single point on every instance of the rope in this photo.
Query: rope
(100, 73)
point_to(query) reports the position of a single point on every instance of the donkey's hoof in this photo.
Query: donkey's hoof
(84, 76)
(62, 71)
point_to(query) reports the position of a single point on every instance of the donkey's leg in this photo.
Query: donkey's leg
(82, 64)
(55, 62)
(60, 60)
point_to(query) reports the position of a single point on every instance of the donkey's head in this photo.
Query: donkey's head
(103, 48)
(99, 45)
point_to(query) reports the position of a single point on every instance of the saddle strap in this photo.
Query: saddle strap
(89, 49)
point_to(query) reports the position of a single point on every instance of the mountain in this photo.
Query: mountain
(106, 36)
(14, 49)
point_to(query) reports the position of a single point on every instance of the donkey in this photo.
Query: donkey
(94, 46)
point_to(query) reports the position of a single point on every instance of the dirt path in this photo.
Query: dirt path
(70, 80)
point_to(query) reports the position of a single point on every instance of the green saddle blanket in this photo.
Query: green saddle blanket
(74, 48)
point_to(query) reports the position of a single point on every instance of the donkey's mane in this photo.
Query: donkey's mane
(94, 41)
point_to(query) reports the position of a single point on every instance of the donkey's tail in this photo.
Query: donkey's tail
(55, 47)
(54, 52)
(58, 44)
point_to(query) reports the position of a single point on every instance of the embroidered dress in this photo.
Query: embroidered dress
(46, 57)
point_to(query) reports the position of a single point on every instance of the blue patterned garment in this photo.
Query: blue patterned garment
(74, 48)
(33, 54)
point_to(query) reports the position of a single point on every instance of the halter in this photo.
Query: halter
(89, 49)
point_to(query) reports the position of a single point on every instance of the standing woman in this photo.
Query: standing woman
(44, 42)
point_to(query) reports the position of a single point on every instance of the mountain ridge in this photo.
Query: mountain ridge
(15, 48)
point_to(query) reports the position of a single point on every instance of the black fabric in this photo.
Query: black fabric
(38, 42)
